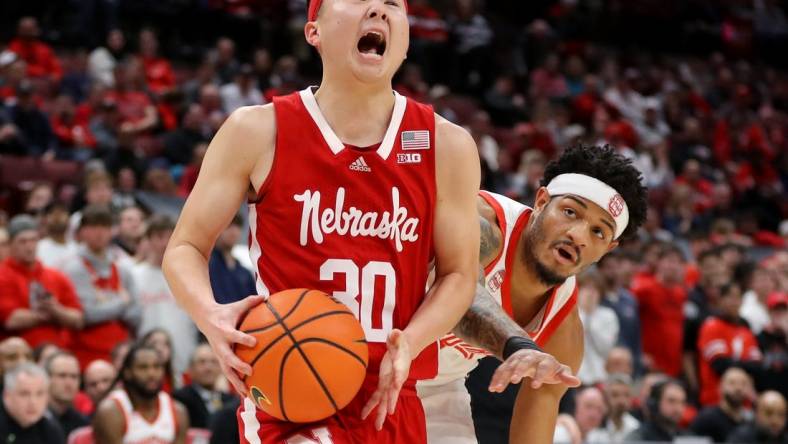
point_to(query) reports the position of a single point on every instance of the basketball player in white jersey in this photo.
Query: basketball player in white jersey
(524, 312)
(140, 412)
(354, 112)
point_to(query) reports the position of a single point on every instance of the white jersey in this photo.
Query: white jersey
(457, 358)
(139, 430)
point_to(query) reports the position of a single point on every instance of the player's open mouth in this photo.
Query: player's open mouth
(372, 43)
(565, 255)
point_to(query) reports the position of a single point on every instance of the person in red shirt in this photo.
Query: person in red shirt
(38, 303)
(725, 340)
(41, 60)
(661, 298)
(158, 71)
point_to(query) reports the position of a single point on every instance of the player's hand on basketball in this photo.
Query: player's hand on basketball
(394, 369)
(220, 328)
(541, 367)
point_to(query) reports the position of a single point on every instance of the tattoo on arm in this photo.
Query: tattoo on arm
(488, 244)
(486, 324)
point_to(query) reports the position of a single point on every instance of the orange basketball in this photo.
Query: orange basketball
(310, 358)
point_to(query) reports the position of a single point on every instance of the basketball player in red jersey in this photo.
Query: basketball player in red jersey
(525, 309)
(354, 190)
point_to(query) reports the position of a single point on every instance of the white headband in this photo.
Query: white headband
(597, 192)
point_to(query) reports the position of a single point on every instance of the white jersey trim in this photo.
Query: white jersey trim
(331, 138)
(255, 252)
(251, 424)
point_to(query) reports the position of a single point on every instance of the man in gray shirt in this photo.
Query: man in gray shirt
(105, 288)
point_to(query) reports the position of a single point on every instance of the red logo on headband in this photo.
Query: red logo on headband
(616, 205)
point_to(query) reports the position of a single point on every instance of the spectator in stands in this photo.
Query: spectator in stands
(226, 64)
(701, 301)
(39, 197)
(619, 361)
(98, 379)
(242, 91)
(661, 300)
(230, 281)
(41, 60)
(613, 271)
(160, 339)
(158, 71)
(600, 327)
(590, 411)
(14, 351)
(31, 123)
(131, 230)
(664, 408)
(774, 345)
(201, 398)
(105, 288)
(192, 170)
(718, 421)
(38, 303)
(548, 80)
(762, 283)
(725, 341)
(98, 191)
(22, 418)
(178, 144)
(119, 351)
(224, 425)
(43, 352)
(5, 244)
(137, 113)
(55, 249)
(619, 424)
(104, 59)
(503, 102)
(75, 141)
(769, 424)
(472, 36)
(159, 309)
(64, 377)
(211, 103)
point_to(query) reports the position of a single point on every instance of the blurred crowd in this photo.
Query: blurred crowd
(106, 112)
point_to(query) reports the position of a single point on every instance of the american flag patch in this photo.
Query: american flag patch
(416, 140)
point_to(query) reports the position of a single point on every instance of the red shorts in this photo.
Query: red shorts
(406, 425)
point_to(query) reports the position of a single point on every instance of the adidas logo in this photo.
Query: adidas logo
(360, 165)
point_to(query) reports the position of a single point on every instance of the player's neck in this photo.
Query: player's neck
(146, 406)
(360, 117)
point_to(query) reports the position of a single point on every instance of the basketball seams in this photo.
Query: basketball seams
(335, 345)
(273, 324)
(303, 356)
(294, 328)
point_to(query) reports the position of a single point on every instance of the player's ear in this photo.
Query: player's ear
(612, 246)
(542, 199)
(312, 34)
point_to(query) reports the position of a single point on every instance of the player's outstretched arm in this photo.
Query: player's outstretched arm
(536, 409)
(242, 149)
(456, 243)
(108, 423)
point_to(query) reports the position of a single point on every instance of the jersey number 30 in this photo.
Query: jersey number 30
(364, 279)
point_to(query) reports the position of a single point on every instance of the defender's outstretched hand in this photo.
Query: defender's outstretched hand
(541, 367)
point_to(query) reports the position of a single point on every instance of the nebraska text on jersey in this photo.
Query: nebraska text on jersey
(394, 225)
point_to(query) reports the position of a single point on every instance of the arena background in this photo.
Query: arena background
(695, 92)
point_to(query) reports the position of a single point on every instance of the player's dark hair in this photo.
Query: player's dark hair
(127, 363)
(605, 164)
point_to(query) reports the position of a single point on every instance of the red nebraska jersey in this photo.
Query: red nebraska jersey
(719, 338)
(353, 222)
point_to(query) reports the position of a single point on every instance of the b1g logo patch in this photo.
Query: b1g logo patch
(409, 158)
(616, 205)
(496, 281)
(258, 397)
